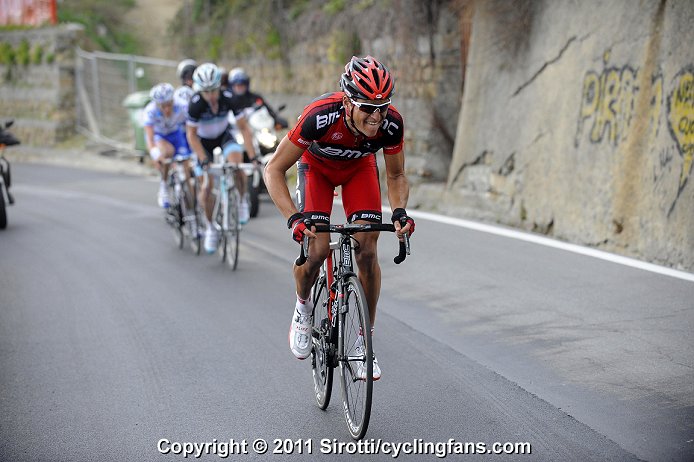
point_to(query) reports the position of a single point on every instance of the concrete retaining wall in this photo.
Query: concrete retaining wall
(580, 125)
(40, 94)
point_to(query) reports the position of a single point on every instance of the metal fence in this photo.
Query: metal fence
(103, 81)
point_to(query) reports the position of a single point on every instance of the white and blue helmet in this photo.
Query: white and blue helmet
(207, 77)
(162, 93)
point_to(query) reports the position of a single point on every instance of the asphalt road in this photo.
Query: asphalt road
(115, 345)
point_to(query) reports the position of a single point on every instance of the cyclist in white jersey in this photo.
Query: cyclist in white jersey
(185, 71)
(163, 121)
(208, 128)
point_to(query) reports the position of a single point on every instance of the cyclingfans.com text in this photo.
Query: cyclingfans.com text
(441, 449)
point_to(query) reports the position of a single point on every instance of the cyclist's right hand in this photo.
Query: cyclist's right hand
(300, 226)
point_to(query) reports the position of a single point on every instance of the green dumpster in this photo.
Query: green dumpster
(136, 102)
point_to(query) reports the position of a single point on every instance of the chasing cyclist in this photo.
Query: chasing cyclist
(207, 128)
(163, 121)
(185, 71)
(335, 142)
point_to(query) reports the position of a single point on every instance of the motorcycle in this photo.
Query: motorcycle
(265, 141)
(6, 139)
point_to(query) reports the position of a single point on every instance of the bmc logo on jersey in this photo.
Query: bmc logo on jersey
(336, 136)
(389, 126)
(327, 119)
(348, 153)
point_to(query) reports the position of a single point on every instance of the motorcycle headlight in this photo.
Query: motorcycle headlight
(267, 139)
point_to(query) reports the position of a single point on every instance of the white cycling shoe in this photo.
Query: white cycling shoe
(211, 240)
(361, 367)
(244, 211)
(163, 197)
(300, 334)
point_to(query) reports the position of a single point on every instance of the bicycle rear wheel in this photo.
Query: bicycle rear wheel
(193, 216)
(232, 235)
(323, 349)
(356, 353)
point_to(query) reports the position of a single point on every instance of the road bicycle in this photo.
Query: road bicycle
(225, 213)
(340, 318)
(184, 214)
(6, 139)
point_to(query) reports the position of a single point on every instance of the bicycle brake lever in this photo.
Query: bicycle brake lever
(301, 259)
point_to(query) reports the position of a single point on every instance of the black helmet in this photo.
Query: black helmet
(185, 69)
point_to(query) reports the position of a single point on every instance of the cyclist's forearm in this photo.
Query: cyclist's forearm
(247, 137)
(149, 137)
(279, 192)
(194, 143)
(398, 191)
(286, 155)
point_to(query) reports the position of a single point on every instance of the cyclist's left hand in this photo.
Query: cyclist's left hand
(403, 223)
(300, 226)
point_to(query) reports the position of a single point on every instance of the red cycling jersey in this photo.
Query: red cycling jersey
(334, 156)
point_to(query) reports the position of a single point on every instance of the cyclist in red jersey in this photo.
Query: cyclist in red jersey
(335, 142)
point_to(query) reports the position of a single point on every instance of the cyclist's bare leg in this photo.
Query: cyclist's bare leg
(236, 157)
(206, 198)
(306, 274)
(369, 269)
(167, 151)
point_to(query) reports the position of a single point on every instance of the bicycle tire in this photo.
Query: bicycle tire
(3, 210)
(194, 220)
(232, 235)
(356, 393)
(176, 212)
(321, 354)
(254, 198)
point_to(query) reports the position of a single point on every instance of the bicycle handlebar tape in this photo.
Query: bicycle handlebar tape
(402, 254)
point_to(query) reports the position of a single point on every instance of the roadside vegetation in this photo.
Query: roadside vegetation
(103, 23)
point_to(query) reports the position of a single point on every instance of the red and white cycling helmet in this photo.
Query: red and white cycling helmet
(366, 78)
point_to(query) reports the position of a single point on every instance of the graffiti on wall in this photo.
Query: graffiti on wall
(680, 108)
(608, 103)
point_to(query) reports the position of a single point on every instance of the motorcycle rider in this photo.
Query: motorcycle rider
(240, 84)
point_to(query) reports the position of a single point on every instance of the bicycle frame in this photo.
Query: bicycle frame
(227, 182)
(225, 212)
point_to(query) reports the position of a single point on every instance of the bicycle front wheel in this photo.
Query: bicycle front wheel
(323, 349)
(3, 210)
(232, 234)
(176, 215)
(356, 358)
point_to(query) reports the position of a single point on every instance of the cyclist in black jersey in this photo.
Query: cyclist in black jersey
(207, 128)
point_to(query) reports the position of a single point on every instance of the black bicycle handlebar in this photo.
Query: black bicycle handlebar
(353, 228)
